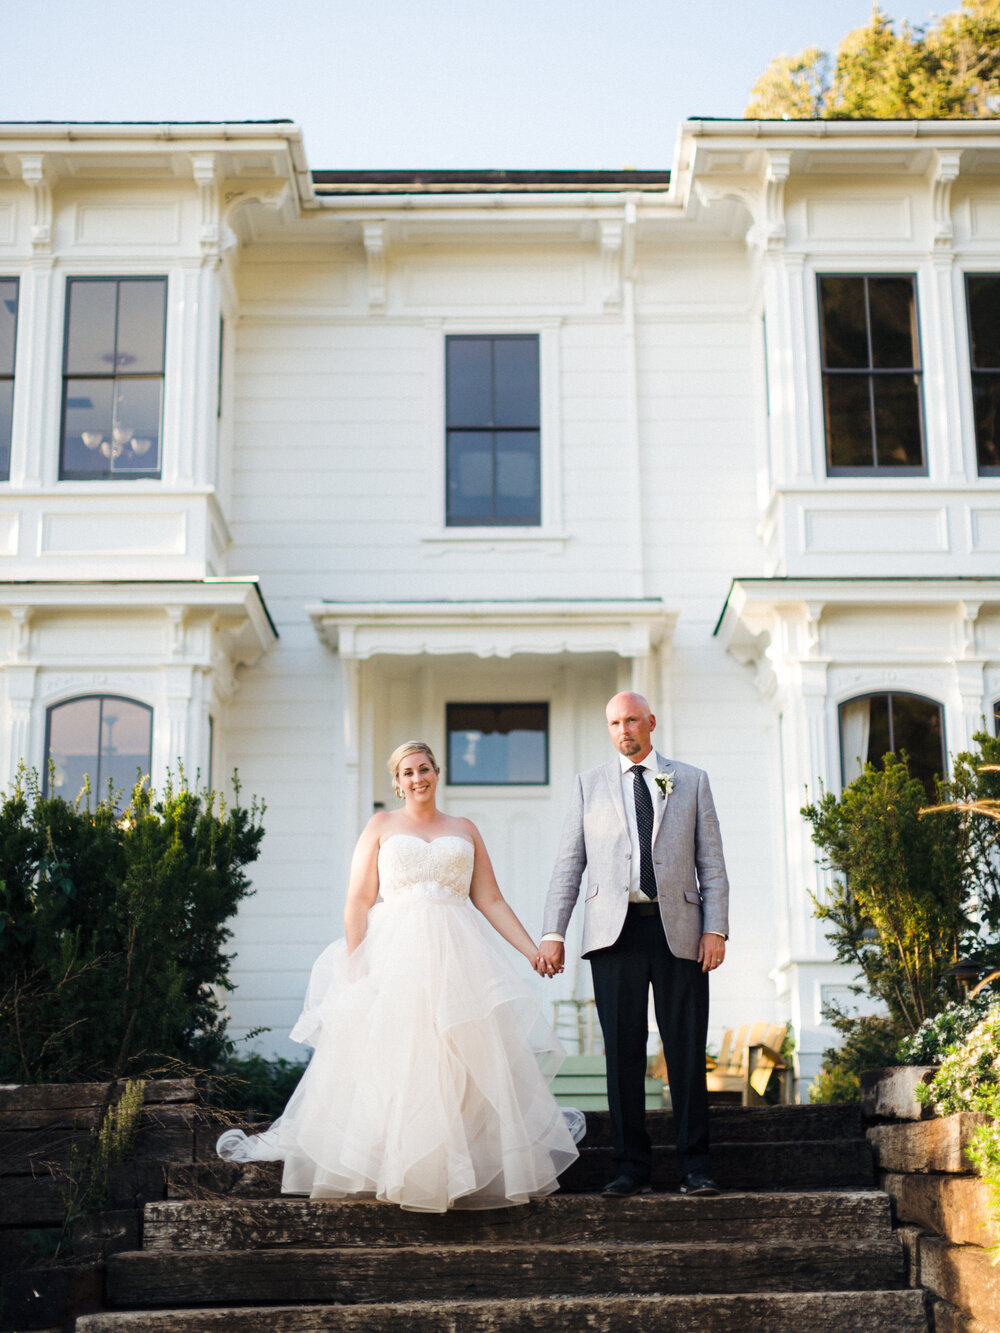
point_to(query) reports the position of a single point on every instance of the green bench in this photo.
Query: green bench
(582, 1082)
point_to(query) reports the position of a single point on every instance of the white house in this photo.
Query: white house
(299, 464)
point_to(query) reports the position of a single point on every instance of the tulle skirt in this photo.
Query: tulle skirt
(429, 1082)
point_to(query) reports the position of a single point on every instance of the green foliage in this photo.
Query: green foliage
(252, 1088)
(897, 915)
(111, 1141)
(942, 1032)
(969, 1080)
(947, 70)
(112, 930)
(869, 1043)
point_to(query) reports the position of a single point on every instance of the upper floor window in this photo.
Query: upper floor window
(983, 301)
(100, 737)
(113, 377)
(493, 465)
(871, 375)
(877, 724)
(8, 337)
(498, 744)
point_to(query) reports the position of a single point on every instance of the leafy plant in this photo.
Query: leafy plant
(943, 1032)
(948, 69)
(898, 913)
(113, 926)
(254, 1088)
(869, 1043)
(969, 1080)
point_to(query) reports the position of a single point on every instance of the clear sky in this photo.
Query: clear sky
(419, 83)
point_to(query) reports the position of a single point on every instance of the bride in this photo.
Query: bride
(428, 1086)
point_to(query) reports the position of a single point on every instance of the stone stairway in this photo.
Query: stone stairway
(800, 1240)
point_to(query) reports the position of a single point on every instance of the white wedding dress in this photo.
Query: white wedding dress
(429, 1083)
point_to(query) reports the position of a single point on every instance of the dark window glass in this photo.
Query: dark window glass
(879, 724)
(498, 744)
(100, 737)
(871, 374)
(8, 338)
(113, 377)
(493, 440)
(983, 301)
(996, 718)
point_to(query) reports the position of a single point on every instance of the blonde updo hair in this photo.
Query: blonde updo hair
(400, 753)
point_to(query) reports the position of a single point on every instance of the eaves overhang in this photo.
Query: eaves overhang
(487, 629)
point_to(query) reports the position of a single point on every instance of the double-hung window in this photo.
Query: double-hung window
(493, 465)
(113, 377)
(871, 375)
(982, 292)
(8, 338)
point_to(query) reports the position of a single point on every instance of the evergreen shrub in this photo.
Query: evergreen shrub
(113, 930)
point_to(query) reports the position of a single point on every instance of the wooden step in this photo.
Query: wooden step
(751, 1165)
(835, 1164)
(460, 1272)
(581, 1219)
(750, 1312)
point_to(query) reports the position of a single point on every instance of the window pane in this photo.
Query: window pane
(984, 319)
(470, 474)
(74, 730)
(515, 370)
(986, 406)
(8, 325)
(141, 312)
(917, 730)
(470, 381)
(135, 443)
(102, 738)
(891, 307)
(6, 411)
(848, 420)
(879, 736)
(90, 340)
(517, 479)
(497, 743)
(843, 327)
(125, 745)
(87, 427)
(897, 421)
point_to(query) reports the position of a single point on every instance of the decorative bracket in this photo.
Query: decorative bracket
(947, 165)
(779, 168)
(37, 175)
(374, 239)
(21, 616)
(206, 174)
(968, 613)
(612, 236)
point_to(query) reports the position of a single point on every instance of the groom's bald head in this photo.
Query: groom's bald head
(630, 724)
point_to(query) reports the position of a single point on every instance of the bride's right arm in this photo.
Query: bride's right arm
(362, 888)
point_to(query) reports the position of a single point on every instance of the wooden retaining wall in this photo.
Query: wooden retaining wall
(942, 1209)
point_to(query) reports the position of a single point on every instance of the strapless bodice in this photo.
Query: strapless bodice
(409, 867)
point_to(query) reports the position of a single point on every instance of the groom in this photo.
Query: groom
(655, 914)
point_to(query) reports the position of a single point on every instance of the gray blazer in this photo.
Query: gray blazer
(692, 886)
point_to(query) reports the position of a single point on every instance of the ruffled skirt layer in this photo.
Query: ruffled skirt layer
(429, 1084)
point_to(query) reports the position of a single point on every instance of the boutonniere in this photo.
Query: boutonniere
(665, 782)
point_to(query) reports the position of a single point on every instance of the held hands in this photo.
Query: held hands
(711, 952)
(551, 958)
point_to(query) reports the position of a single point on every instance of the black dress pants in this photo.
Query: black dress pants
(623, 974)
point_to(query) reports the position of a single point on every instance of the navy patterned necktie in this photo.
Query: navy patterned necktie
(644, 822)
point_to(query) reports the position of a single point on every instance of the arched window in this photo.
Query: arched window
(875, 724)
(101, 736)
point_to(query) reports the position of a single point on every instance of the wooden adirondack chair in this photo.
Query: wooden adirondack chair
(747, 1058)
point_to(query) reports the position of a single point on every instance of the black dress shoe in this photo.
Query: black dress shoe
(699, 1182)
(624, 1186)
